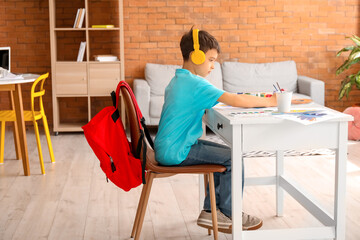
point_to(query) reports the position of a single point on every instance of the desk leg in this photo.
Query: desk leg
(279, 190)
(19, 112)
(236, 182)
(15, 129)
(340, 182)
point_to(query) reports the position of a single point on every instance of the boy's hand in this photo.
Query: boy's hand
(272, 100)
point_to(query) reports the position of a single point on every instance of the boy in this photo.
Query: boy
(186, 98)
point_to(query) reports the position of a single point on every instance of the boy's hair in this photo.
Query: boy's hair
(206, 41)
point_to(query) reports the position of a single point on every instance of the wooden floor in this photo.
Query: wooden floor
(74, 201)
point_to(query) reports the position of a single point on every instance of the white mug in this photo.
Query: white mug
(283, 101)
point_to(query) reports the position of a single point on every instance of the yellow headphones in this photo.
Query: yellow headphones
(197, 56)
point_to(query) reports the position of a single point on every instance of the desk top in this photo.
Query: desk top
(26, 79)
(264, 115)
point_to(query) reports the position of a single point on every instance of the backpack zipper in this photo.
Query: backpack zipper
(113, 168)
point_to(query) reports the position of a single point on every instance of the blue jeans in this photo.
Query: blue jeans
(205, 152)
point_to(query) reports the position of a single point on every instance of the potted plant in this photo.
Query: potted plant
(353, 58)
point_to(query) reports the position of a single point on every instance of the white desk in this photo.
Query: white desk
(17, 105)
(245, 134)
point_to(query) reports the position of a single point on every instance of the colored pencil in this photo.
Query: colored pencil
(275, 88)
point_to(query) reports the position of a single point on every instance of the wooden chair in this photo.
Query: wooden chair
(154, 170)
(31, 115)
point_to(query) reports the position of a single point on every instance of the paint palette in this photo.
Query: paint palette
(257, 113)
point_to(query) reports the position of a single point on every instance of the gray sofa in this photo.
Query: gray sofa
(230, 76)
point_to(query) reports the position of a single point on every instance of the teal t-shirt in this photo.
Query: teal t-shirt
(186, 98)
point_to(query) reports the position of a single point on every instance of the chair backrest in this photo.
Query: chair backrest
(132, 119)
(135, 134)
(38, 93)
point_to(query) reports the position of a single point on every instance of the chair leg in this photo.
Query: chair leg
(140, 205)
(36, 128)
(206, 182)
(213, 205)
(143, 209)
(2, 143)
(47, 133)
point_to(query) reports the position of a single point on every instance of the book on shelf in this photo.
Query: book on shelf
(81, 53)
(76, 18)
(79, 18)
(102, 26)
(106, 58)
(82, 16)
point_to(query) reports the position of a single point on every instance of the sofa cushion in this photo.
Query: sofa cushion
(156, 104)
(215, 77)
(158, 76)
(259, 77)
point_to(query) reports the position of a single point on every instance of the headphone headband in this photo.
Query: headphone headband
(196, 39)
(197, 56)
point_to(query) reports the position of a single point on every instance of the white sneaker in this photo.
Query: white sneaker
(250, 222)
(225, 223)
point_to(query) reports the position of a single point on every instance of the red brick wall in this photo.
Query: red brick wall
(24, 26)
(308, 32)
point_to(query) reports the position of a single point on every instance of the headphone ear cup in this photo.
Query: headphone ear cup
(198, 57)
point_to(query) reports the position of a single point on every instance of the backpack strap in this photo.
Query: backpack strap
(144, 162)
(128, 88)
(147, 134)
(113, 98)
(116, 114)
(141, 143)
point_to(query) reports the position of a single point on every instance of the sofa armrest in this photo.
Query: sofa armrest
(313, 88)
(142, 95)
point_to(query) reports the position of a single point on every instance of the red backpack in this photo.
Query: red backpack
(106, 136)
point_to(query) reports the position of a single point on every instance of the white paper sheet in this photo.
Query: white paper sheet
(8, 76)
(307, 116)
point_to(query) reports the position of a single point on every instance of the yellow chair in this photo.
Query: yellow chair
(33, 115)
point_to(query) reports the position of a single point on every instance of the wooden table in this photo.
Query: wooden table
(14, 86)
(268, 133)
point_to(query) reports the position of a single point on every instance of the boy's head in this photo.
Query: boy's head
(206, 42)
(204, 64)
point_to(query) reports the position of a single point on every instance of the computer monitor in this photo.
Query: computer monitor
(5, 58)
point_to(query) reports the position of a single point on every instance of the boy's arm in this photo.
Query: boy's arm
(247, 101)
